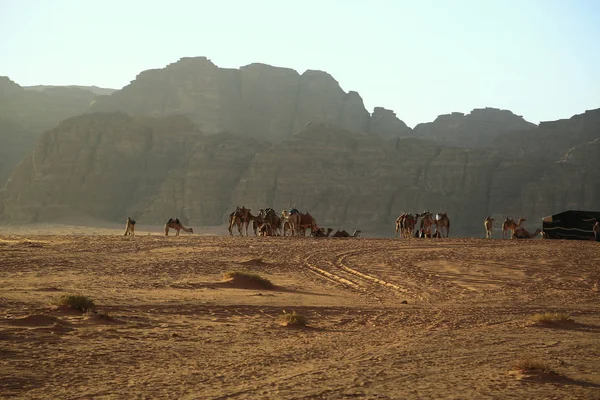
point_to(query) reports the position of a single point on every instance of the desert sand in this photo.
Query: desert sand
(387, 319)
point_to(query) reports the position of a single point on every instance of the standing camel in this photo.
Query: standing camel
(509, 224)
(175, 224)
(442, 221)
(405, 224)
(238, 218)
(427, 222)
(130, 227)
(488, 223)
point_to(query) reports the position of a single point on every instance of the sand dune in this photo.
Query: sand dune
(386, 318)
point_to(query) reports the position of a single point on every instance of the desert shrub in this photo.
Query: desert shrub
(76, 302)
(259, 280)
(551, 318)
(292, 319)
(531, 364)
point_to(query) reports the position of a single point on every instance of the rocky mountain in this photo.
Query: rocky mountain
(99, 91)
(480, 128)
(25, 113)
(257, 100)
(193, 140)
(110, 165)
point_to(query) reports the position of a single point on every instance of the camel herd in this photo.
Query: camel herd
(406, 223)
(268, 223)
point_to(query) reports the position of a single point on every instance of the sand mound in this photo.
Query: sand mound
(537, 376)
(36, 320)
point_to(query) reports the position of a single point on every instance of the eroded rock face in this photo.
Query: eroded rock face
(479, 128)
(100, 165)
(26, 113)
(384, 122)
(257, 100)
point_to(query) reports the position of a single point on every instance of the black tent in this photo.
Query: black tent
(570, 225)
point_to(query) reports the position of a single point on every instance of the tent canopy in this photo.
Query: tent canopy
(570, 225)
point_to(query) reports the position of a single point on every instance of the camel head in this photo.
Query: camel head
(521, 220)
(356, 233)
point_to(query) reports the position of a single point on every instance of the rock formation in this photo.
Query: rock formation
(257, 100)
(25, 113)
(193, 140)
(479, 128)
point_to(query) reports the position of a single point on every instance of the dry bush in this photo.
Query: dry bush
(254, 278)
(292, 319)
(531, 364)
(76, 302)
(551, 318)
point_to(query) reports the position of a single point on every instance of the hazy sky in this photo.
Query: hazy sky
(540, 59)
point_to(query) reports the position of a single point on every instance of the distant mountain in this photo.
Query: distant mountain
(24, 114)
(257, 100)
(193, 140)
(94, 89)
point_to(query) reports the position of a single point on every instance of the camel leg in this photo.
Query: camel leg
(166, 230)
(177, 232)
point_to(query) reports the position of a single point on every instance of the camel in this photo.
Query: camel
(265, 229)
(488, 223)
(405, 224)
(522, 233)
(239, 217)
(272, 218)
(343, 233)
(427, 222)
(509, 224)
(129, 227)
(287, 227)
(175, 224)
(321, 232)
(301, 222)
(442, 221)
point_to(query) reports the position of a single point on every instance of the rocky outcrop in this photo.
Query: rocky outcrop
(24, 114)
(110, 165)
(479, 128)
(257, 100)
(101, 165)
(384, 122)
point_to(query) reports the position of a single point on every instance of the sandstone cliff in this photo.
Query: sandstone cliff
(257, 100)
(479, 128)
(24, 114)
(99, 165)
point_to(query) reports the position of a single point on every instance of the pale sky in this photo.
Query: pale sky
(421, 58)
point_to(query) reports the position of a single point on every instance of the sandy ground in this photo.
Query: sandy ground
(177, 329)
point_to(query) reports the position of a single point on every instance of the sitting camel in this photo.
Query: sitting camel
(129, 227)
(488, 223)
(321, 232)
(173, 223)
(522, 233)
(442, 221)
(343, 233)
(509, 224)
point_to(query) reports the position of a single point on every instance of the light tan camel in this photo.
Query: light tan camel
(522, 233)
(509, 224)
(343, 233)
(129, 227)
(239, 218)
(175, 224)
(488, 224)
(427, 222)
(405, 224)
(442, 221)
